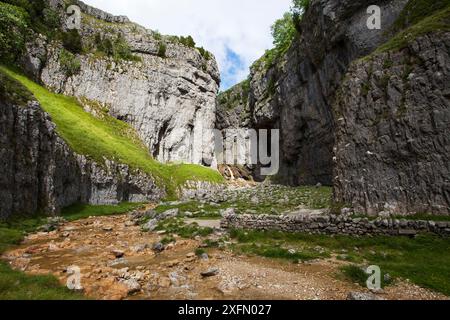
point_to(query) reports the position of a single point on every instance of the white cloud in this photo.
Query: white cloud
(240, 25)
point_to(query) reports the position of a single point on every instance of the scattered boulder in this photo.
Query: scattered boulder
(158, 247)
(204, 256)
(362, 296)
(132, 285)
(52, 224)
(150, 225)
(118, 253)
(210, 273)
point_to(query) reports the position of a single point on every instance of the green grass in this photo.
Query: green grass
(13, 92)
(82, 211)
(425, 260)
(179, 227)
(109, 138)
(437, 21)
(17, 285)
(357, 274)
(417, 10)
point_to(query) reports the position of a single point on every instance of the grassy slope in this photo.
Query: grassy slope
(418, 18)
(425, 260)
(109, 138)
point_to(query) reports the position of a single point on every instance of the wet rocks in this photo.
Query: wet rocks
(132, 285)
(363, 296)
(210, 273)
(52, 224)
(118, 253)
(158, 247)
(150, 225)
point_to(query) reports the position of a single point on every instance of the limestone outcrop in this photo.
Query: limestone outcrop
(295, 94)
(40, 173)
(392, 148)
(166, 92)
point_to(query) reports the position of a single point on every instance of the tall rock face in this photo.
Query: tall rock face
(166, 92)
(295, 94)
(40, 173)
(393, 130)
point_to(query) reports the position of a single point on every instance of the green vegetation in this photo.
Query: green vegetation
(162, 49)
(298, 9)
(419, 18)
(357, 274)
(12, 91)
(13, 25)
(417, 10)
(187, 41)
(72, 41)
(117, 48)
(176, 226)
(110, 138)
(236, 95)
(39, 16)
(199, 252)
(204, 53)
(82, 211)
(69, 63)
(425, 260)
(284, 31)
(16, 285)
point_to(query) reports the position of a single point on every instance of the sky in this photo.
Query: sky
(237, 32)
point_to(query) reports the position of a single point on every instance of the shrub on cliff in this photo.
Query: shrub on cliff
(69, 63)
(72, 41)
(162, 50)
(13, 25)
(40, 17)
(117, 48)
(283, 32)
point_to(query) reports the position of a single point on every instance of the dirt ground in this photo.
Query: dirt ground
(117, 261)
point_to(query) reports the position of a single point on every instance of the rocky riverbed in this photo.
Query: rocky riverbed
(118, 260)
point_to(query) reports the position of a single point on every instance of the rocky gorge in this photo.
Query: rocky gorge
(361, 109)
(108, 157)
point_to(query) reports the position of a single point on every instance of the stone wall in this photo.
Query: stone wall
(335, 224)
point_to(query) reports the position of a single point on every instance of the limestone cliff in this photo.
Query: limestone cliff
(295, 93)
(40, 173)
(379, 133)
(393, 130)
(166, 91)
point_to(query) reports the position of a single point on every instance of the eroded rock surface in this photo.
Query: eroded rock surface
(393, 128)
(169, 99)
